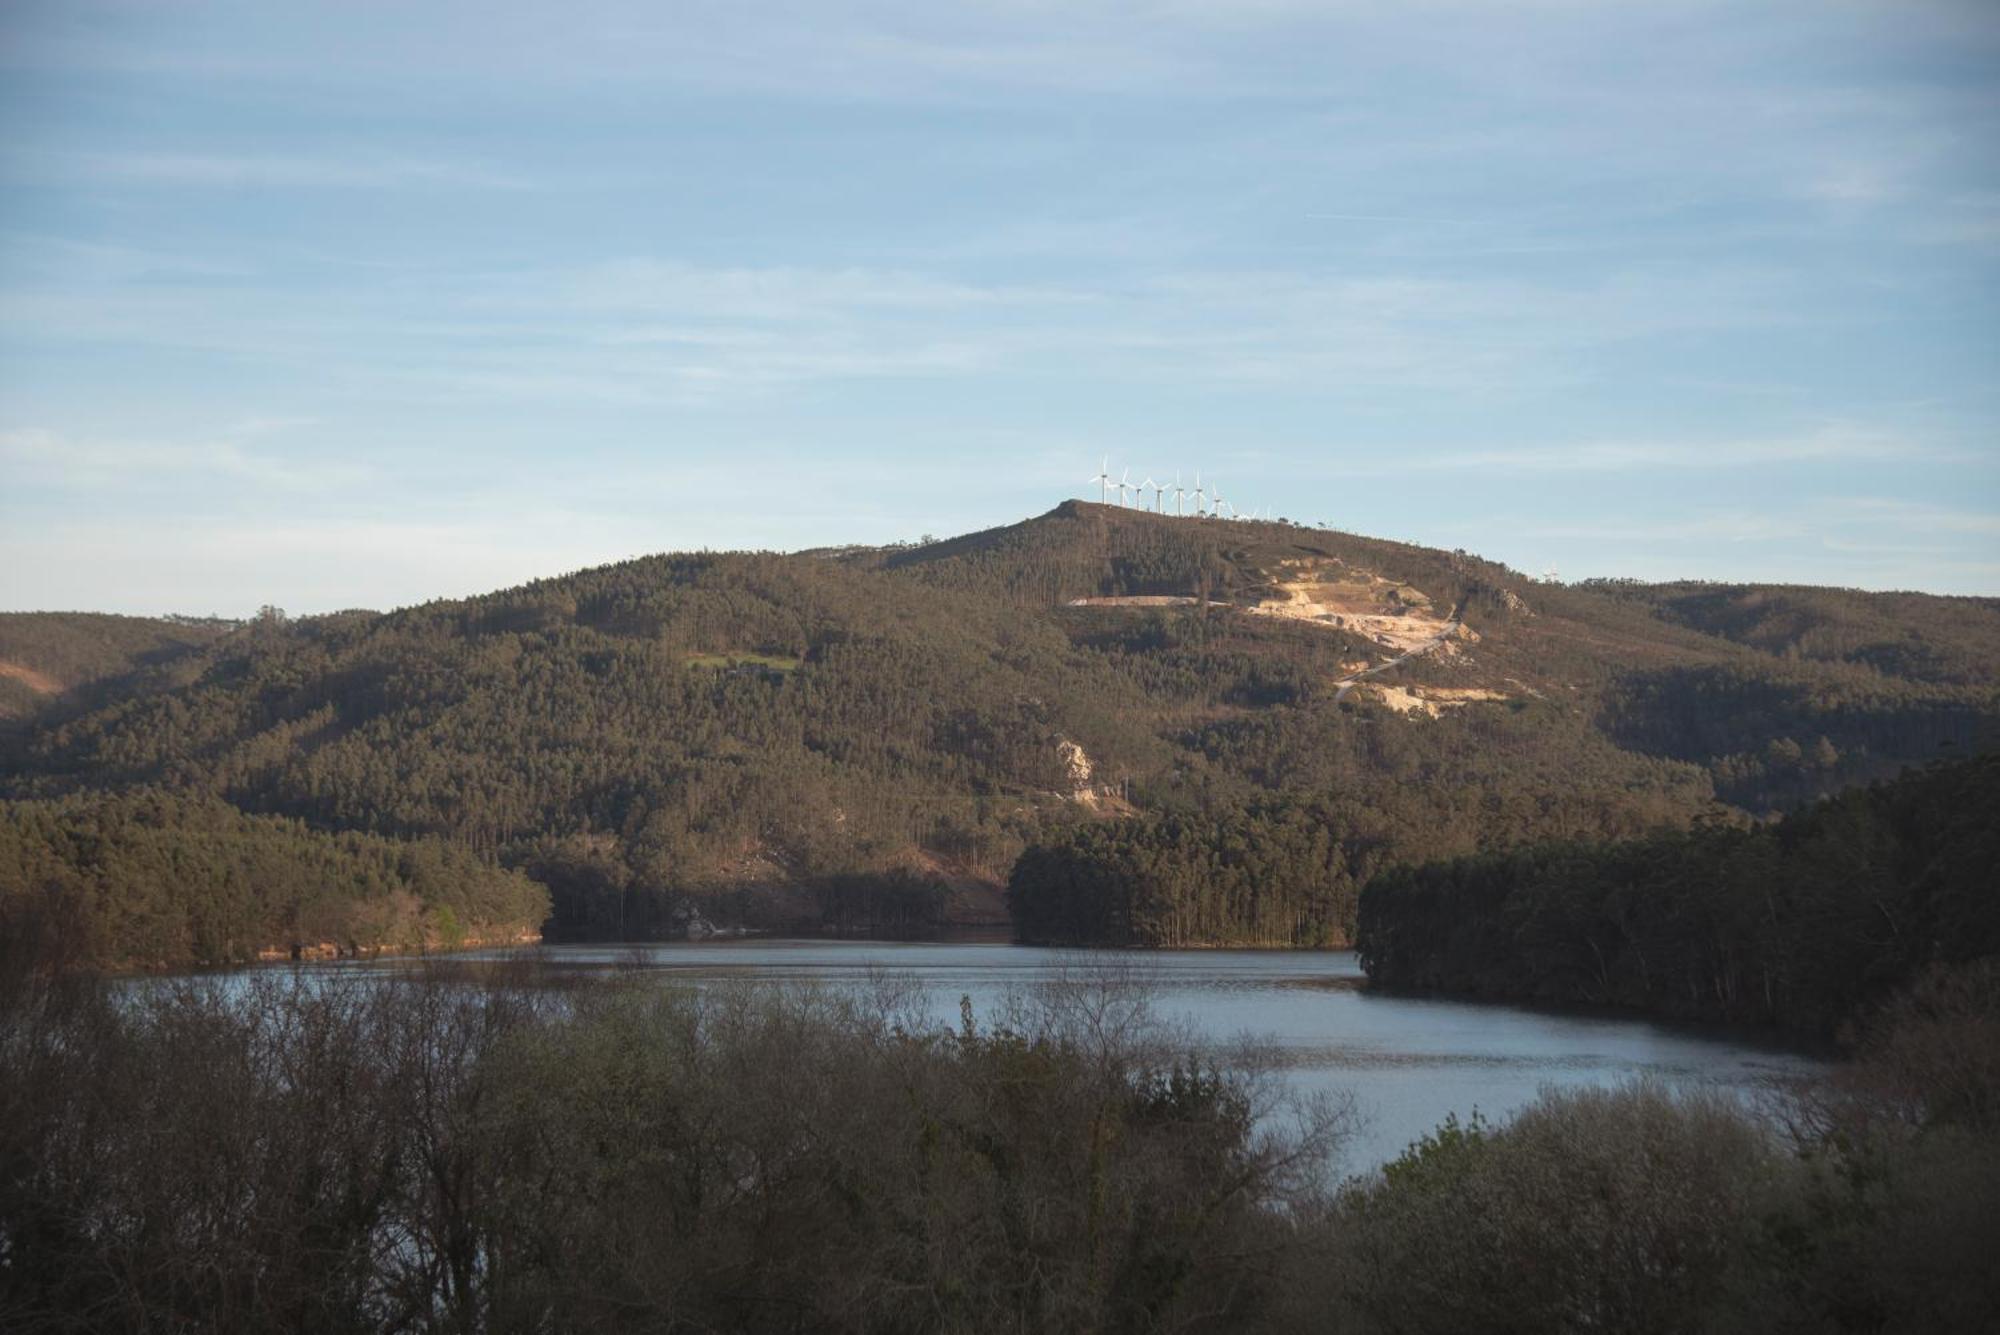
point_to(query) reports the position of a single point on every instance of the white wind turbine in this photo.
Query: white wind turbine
(1200, 496)
(1103, 480)
(1180, 494)
(1124, 481)
(1159, 490)
(1215, 501)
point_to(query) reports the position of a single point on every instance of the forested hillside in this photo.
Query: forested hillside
(737, 730)
(152, 878)
(1802, 923)
(48, 659)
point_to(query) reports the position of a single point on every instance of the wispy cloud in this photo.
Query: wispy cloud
(300, 171)
(1733, 527)
(1718, 455)
(41, 457)
(648, 325)
(1915, 515)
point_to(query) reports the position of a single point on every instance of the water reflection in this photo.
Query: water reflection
(1408, 1060)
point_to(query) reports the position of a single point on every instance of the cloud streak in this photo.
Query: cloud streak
(1722, 455)
(274, 171)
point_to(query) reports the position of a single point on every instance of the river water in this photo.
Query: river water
(1406, 1061)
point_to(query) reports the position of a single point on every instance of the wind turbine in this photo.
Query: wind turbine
(1215, 501)
(1199, 494)
(1103, 481)
(1180, 494)
(1159, 490)
(1549, 575)
(1123, 479)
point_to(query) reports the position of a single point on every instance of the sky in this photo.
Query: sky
(362, 304)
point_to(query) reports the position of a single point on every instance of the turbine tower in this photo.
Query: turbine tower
(1180, 494)
(1159, 490)
(1124, 480)
(1200, 496)
(1103, 481)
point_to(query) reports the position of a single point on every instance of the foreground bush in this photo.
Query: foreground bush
(1622, 1210)
(382, 1155)
(454, 1152)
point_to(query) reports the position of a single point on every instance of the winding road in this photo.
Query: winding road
(1341, 688)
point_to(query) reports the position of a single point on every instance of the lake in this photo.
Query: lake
(1408, 1061)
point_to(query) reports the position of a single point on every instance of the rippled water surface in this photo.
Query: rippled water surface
(1407, 1060)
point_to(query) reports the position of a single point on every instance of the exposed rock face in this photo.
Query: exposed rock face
(1396, 616)
(1327, 592)
(1076, 765)
(1087, 788)
(1430, 700)
(1076, 761)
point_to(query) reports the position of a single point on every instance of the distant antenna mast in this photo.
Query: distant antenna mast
(1103, 480)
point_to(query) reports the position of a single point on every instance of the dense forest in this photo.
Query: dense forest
(58, 658)
(488, 1149)
(774, 740)
(1262, 877)
(170, 880)
(1802, 923)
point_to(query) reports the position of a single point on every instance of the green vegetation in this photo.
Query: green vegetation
(479, 1150)
(45, 657)
(170, 881)
(1276, 877)
(760, 738)
(1801, 924)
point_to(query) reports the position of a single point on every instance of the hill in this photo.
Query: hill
(50, 659)
(754, 736)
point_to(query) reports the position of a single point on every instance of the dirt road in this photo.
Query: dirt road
(1341, 688)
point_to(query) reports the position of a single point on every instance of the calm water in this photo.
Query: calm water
(1408, 1061)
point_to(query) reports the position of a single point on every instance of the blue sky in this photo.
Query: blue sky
(360, 304)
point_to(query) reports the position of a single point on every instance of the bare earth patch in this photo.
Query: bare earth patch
(1400, 619)
(39, 682)
(1430, 701)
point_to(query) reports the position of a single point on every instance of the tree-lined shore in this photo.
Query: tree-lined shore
(1800, 924)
